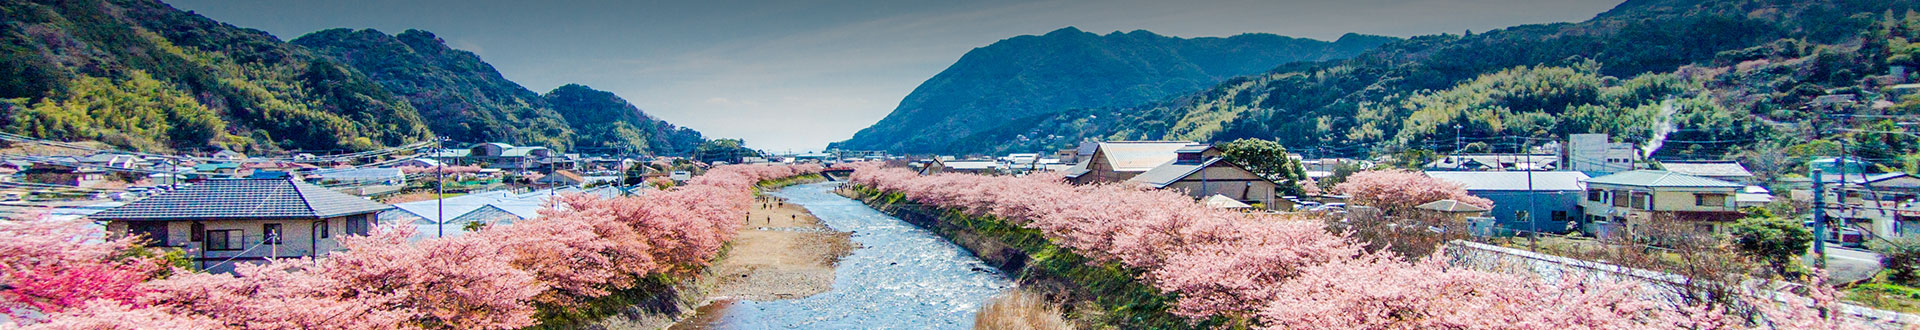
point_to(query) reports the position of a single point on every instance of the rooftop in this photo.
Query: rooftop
(1514, 180)
(244, 199)
(1655, 178)
(1708, 168)
(1140, 156)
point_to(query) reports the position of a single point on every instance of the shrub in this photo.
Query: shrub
(1901, 259)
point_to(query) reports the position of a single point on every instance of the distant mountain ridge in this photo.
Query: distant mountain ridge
(142, 75)
(1071, 69)
(1727, 74)
(471, 101)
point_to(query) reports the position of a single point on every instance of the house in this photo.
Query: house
(1623, 203)
(1523, 201)
(1883, 204)
(563, 177)
(1495, 162)
(66, 174)
(113, 161)
(509, 157)
(451, 156)
(961, 166)
(229, 156)
(417, 162)
(1201, 172)
(278, 166)
(1753, 196)
(223, 169)
(1067, 156)
(1730, 171)
(488, 208)
(360, 176)
(1122, 160)
(245, 220)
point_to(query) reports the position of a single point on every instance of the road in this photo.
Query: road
(1845, 264)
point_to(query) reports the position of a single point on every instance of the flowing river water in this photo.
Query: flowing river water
(901, 277)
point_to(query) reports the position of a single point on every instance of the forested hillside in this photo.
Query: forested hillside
(472, 102)
(1070, 69)
(142, 75)
(1727, 78)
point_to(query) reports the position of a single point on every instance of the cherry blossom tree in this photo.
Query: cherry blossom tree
(1290, 272)
(72, 276)
(1397, 191)
(49, 265)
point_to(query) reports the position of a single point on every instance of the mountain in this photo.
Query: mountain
(472, 102)
(1070, 69)
(142, 75)
(1692, 79)
(604, 121)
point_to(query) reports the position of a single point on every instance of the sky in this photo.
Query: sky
(796, 75)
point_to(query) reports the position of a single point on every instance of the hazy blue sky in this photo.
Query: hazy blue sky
(799, 74)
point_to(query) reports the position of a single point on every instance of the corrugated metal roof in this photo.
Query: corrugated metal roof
(1139, 156)
(520, 151)
(1167, 174)
(1708, 169)
(244, 199)
(1448, 205)
(1653, 178)
(971, 164)
(1514, 180)
(1219, 201)
(359, 173)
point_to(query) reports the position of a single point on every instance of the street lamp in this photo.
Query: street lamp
(1456, 138)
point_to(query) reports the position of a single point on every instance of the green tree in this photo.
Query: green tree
(724, 150)
(1771, 239)
(1267, 159)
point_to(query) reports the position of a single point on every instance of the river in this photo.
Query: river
(901, 277)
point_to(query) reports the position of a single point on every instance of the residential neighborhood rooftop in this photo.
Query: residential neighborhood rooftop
(1140, 156)
(244, 199)
(1708, 168)
(1657, 178)
(1514, 180)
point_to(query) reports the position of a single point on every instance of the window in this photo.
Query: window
(197, 232)
(1618, 201)
(1596, 195)
(270, 233)
(223, 240)
(320, 229)
(359, 225)
(1559, 215)
(1703, 228)
(1710, 200)
(1642, 201)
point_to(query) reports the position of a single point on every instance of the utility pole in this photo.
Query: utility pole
(439, 184)
(1819, 221)
(1533, 236)
(1456, 138)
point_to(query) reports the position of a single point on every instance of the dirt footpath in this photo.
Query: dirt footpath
(783, 252)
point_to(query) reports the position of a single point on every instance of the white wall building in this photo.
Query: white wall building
(1598, 156)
